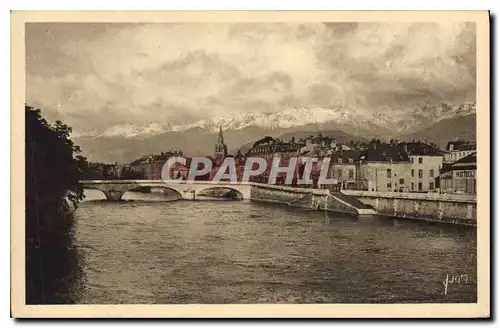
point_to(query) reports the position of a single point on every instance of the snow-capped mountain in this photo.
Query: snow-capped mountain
(397, 120)
(284, 119)
(132, 131)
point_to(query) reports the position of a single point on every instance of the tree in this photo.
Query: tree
(53, 162)
(53, 169)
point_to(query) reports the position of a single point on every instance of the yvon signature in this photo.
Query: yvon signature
(454, 279)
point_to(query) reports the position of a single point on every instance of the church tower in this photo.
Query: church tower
(220, 149)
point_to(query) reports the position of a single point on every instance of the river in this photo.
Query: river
(148, 250)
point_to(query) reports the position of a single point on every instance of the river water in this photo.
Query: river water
(148, 250)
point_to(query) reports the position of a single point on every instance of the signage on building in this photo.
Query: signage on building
(464, 174)
(446, 175)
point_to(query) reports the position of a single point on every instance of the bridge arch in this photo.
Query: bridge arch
(97, 189)
(115, 191)
(149, 189)
(230, 192)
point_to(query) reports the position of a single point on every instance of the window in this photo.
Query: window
(401, 181)
(339, 174)
(431, 174)
(420, 186)
(420, 160)
(411, 159)
(420, 173)
(412, 186)
(431, 185)
(412, 173)
(389, 173)
(389, 186)
(339, 160)
(351, 174)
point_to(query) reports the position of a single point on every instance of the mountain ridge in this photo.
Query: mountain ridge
(388, 120)
(199, 140)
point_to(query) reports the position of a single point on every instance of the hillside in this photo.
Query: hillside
(198, 141)
(460, 127)
(194, 142)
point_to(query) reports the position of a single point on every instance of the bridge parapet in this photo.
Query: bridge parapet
(114, 189)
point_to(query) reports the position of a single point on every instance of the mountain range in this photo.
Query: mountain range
(124, 143)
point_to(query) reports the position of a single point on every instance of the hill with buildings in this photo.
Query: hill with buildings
(338, 135)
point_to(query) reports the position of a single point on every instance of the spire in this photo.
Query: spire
(221, 136)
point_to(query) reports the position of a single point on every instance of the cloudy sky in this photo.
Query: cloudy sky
(93, 76)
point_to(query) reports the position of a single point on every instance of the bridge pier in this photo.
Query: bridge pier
(113, 195)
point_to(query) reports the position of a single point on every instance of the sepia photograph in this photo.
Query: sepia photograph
(211, 159)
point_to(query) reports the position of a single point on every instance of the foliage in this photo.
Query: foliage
(53, 170)
(53, 162)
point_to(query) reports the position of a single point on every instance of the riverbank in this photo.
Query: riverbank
(444, 208)
(315, 199)
(450, 209)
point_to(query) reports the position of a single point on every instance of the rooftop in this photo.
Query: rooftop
(470, 160)
(382, 152)
(422, 149)
(461, 145)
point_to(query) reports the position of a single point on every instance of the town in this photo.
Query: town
(392, 166)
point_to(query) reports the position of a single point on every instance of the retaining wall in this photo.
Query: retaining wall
(459, 209)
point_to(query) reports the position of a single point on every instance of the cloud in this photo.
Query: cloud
(178, 73)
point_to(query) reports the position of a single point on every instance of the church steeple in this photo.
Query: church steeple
(220, 149)
(220, 140)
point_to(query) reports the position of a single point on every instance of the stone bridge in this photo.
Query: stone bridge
(114, 189)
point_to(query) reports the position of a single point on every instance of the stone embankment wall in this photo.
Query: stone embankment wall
(315, 199)
(458, 209)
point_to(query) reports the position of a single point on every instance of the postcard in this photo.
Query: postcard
(250, 164)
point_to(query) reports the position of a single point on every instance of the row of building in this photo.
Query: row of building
(375, 166)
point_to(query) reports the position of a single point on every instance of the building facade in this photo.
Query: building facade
(268, 148)
(459, 177)
(456, 150)
(427, 162)
(345, 169)
(385, 167)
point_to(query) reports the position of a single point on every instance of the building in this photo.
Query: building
(398, 166)
(180, 171)
(385, 167)
(458, 149)
(427, 162)
(268, 148)
(344, 167)
(153, 170)
(138, 170)
(460, 176)
(240, 162)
